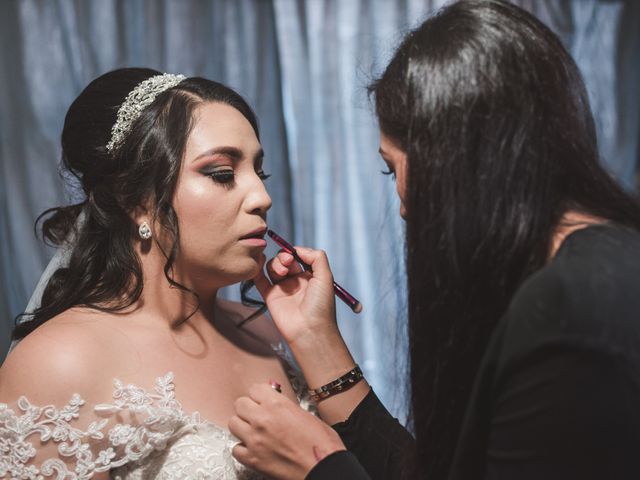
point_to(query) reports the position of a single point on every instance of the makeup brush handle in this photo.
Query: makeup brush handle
(347, 298)
(340, 292)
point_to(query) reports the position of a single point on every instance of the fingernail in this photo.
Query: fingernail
(287, 257)
(276, 386)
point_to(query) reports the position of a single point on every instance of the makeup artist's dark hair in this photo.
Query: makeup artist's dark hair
(104, 271)
(495, 120)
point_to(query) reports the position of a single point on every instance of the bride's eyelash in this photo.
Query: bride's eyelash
(227, 177)
(389, 172)
(224, 177)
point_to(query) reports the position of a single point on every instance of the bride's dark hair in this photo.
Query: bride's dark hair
(104, 271)
(494, 117)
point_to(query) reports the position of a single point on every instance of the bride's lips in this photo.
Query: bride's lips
(255, 238)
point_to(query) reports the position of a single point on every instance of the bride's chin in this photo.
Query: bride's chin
(251, 274)
(247, 272)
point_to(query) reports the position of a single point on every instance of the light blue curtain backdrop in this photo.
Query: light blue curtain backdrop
(304, 66)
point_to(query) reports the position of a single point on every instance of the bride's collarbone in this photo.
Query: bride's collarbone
(207, 351)
(209, 385)
(87, 357)
(203, 360)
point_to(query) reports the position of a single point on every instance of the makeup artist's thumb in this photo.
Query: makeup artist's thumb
(318, 261)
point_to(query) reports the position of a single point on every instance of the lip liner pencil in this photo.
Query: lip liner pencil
(340, 292)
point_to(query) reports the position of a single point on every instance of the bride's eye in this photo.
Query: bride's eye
(263, 176)
(225, 177)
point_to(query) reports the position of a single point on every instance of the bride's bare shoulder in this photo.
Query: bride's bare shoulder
(63, 355)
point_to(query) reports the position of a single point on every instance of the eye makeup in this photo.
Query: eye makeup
(225, 176)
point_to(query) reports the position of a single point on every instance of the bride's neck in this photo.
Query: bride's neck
(161, 300)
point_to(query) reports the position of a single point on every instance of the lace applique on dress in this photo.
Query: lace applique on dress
(49, 424)
(163, 442)
(83, 452)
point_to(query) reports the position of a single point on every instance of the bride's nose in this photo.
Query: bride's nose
(258, 199)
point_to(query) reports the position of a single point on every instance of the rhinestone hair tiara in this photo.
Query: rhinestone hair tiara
(137, 100)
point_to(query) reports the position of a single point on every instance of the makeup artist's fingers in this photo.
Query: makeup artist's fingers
(277, 269)
(318, 261)
(287, 260)
(246, 408)
(267, 287)
(282, 266)
(281, 440)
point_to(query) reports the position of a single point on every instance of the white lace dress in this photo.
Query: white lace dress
(158, 439)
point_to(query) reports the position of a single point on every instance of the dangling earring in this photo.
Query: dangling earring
(144, 231)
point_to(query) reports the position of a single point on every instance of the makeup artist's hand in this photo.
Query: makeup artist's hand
(303, 307)
(278, 437)
(302, 304)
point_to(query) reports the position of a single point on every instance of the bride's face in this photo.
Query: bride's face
(220, 200)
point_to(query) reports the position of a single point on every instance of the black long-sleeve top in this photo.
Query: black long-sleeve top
(557, 395)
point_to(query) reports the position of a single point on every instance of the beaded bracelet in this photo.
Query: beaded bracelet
(341, 384)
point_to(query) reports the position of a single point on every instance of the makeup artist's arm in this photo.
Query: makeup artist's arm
(303, 308)
(373, 437)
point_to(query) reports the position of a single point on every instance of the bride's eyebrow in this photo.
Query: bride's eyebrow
(258, 158)
(233, 152)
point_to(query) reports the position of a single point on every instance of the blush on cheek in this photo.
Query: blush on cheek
(194, 197)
